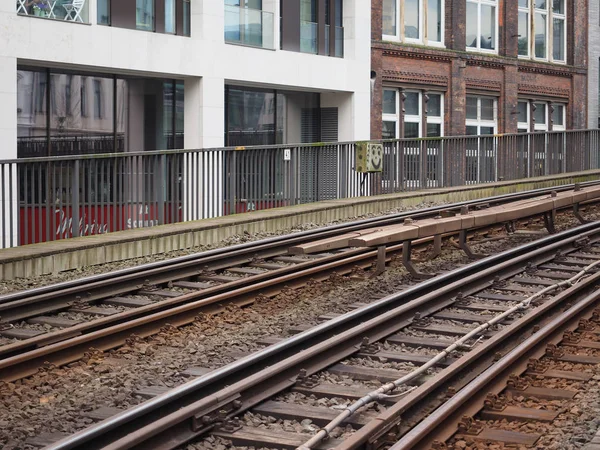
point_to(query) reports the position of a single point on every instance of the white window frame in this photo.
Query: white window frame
(526, 10)
(412, 118)
(478, 49)
(550, 15)
(525, 125)
(563, 127)
(546, 124)
(479, 122)
(395, 117)
(423, 28)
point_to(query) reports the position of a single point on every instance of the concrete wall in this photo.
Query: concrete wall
(204, 56)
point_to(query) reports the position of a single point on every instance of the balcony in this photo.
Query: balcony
(66, 10)
(339, 41)
(251, 27)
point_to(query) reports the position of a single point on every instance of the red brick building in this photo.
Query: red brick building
(456, 67)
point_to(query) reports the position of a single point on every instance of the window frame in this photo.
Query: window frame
(423, 38)
(550, 16)
(479, 122)
(421, 118)
(478, 49)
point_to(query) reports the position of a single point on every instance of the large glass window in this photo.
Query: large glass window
(82, 113)
(412, 112)
(144, 15)
(548, 29)
(419, 21)
(482, 20)
(71, 132)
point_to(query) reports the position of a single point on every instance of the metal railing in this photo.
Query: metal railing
(45, 199)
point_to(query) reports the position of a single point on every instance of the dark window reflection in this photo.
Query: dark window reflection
(71, 132)
(31, 114)
(149, 114)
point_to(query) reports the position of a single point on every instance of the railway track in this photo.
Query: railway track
(58, 324)
(366, 362)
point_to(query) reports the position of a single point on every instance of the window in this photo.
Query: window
(541, 112)
(186, 18)
(548, 28)
(84, 81)
(246, 23)
(103, 12)
(170, 16)
(482, 19)
(420, 21)
(412, 117)
(558, 117)
(308, 26)
(481, 115)
(523, 117)
(144, 15)
(97, 99)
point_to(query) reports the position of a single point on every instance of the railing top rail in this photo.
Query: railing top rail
(271, 147)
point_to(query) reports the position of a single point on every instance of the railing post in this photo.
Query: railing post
(162, 183)
(75, 197)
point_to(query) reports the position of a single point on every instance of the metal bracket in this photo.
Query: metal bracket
(468, 425)
(462, 242)
(380, 267)
(216, 413)
(307, 381)
(408, 264)
(577, 214)
(586, 325)
(437, 246)
(494, 403)
(553, 351)
(517, 383)
(537, 366)
(571, 337)
(367, 347)
(549, 221)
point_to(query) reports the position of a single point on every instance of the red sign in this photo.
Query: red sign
(42, 224)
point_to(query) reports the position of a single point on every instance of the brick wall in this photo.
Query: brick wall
(593, 63)
(457, 73)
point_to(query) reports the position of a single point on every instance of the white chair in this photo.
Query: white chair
(21, 9)
(74, 10)
(51, 5)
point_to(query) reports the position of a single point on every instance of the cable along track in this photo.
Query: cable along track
(396, 330)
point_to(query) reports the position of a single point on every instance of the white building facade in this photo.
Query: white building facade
(98, 76)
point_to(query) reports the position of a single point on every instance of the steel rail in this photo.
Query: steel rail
(427, 431)
(185, 412)
(131, 278)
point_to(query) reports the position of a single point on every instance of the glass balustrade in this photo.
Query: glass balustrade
(308, 37)
(249, 27)
(339, 42)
